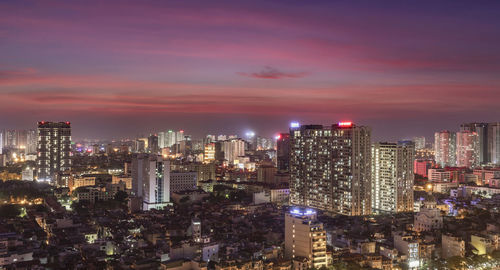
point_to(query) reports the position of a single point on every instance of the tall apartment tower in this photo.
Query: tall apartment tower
(209, 153)
(161, 139)
(445, 148)
(481, 129)
(31, 141)
(283, 152)
(54, 149)
(179, 136)
(468, 149)
(330, 167)
(153, 146)
(419, 142)
(494, 143)
(305, 237)
(233, 148)
(151, 180)
(392, 177)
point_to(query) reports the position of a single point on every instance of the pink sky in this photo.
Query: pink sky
(228, 66)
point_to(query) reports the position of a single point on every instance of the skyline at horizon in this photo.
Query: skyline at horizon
(118, 69)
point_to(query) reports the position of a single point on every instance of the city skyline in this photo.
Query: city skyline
(238, 135)
(222, 67)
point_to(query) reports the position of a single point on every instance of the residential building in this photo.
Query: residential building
(233, 148)
(452, 246)
(445, 148)
(330, 167)
(305, 237)
(421, 166)
(392, 177)
(481, 129)
(151, 180)
(209, 153)
(494, 142)
(419, 142)
(54, 149)
(283, 152)
(468, 147)
(408, 245)
(182, 181)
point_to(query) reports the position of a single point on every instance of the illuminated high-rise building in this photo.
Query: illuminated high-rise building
(468, 149)
(161, 140)
(481, 129)
(445, 148)
(233, 149)
(54, 149)
(494, 142)
(283, 152)
(139, 146)
(153, 146)
(330, 167)
(179, 136)
(210, 139)
(419, 142)
(392, 177)
(305, 238)
(10, 138)
(151, 180)
(209, 153)
(31, 141)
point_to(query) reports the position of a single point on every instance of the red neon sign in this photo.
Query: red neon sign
(345, 124)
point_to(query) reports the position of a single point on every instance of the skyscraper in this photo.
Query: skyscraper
(10, 139)
(153, 147)
(392, 177)
(330, 167)
(179, 136)
(494, 142)
(31, 141)
(283, 152)
(233, 148)
(151, 180)
(305, 237)
(468, 149)
(419, 142)
(481, 129)
(445, 148)
(209, 153)
(54, 148)
(161, 139)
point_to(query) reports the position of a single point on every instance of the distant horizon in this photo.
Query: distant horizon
(240, 132)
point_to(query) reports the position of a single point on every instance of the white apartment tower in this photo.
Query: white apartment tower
(151, 180)
(392, 177)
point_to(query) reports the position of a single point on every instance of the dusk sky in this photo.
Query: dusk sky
(120, 68)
